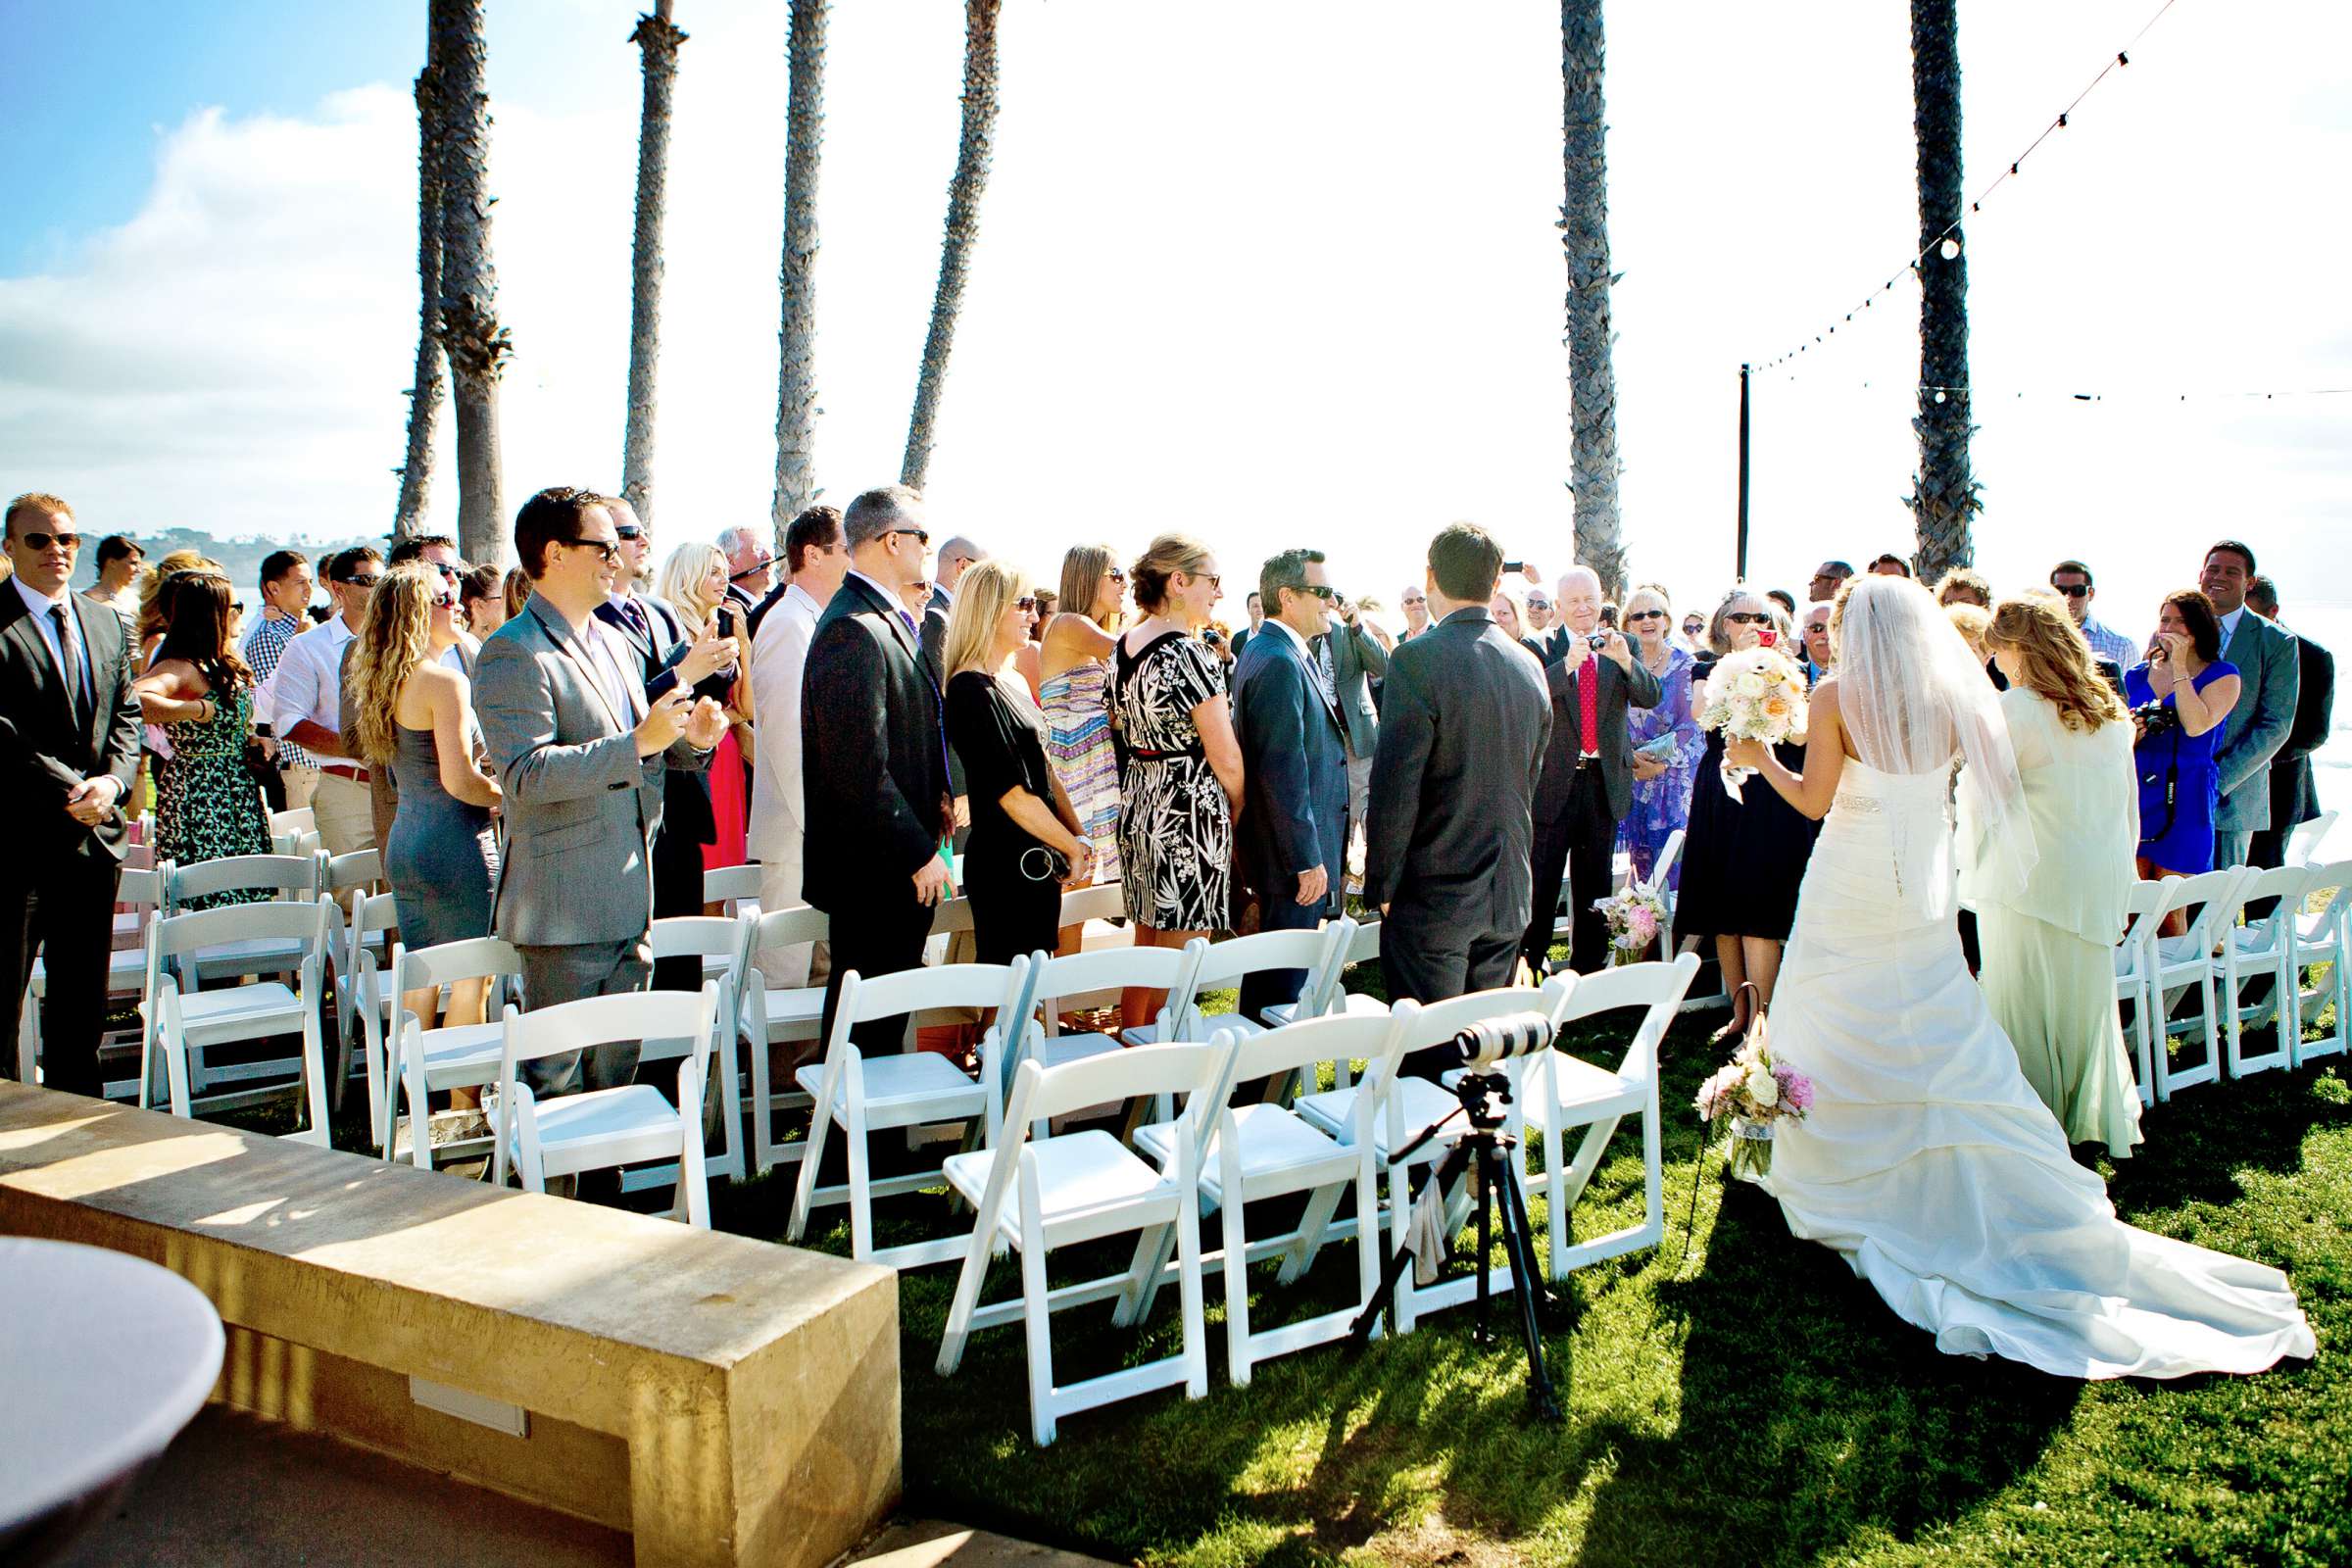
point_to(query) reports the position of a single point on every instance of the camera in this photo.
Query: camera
(2157, 718)
(1213, 637)
(1517, 1034)
(1597, 641)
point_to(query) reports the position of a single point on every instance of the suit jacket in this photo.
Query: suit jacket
(44, 751)
(1451, 828)
(1619, 690)
(685, 795)
(1293, 771)
(1356, 657)
(873, 755)
(581, 806)
(2269, 675)
(2294, 798)
(934, 641)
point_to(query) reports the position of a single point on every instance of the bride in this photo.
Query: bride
(1928, 1161)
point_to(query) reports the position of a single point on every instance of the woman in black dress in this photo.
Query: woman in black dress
(1026, 843)
(1744, 859)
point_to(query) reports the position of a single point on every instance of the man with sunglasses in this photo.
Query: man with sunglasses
(305, 703)
(1415, 604)
(750, 567)
(70, 732)
(2071, 581)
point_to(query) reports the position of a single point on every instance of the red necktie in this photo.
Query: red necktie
(1587, 701)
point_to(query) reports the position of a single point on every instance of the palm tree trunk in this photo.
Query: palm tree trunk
(973, 150)
(428, 391)
(478, 346)
(1585, 235)
(796, 378)
(658, 38)
(1944, 499)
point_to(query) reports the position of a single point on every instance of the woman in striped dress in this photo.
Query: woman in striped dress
(1074, 669)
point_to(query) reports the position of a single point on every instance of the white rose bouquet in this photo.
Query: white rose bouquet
(1757, 694)
(1752, 1092)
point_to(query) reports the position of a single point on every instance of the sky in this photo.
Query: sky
(1281, 273)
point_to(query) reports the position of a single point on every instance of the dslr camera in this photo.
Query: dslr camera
(2157, 718)
(1516, 1034)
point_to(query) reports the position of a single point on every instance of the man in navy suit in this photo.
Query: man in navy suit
(1294, 824)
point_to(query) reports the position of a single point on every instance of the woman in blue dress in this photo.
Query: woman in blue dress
(1666, 737)
(2178, 696)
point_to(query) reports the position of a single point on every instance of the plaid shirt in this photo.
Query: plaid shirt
(264, 644)
(2108, 643)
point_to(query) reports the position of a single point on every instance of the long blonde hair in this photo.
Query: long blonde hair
(683, 575)
(983, 594)
(395, 636)
(2054, 659)
(1082, 570)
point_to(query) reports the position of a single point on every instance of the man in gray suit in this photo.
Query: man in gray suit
(580, 755)
(2294, 798)
(1352, 658)
(2269, 677)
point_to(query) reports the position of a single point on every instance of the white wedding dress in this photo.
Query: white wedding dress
(1928, 1161)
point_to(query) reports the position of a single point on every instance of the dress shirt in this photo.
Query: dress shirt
(309, 683)
(896, 600)
(264, 649)
(82, 683)
(779, 662)
(2108, 643)
(2229, 627)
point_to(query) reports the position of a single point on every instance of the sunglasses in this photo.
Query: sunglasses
(921, 536)
(1746, 618)
(2073, 589)
(1117, 575)
(361, 582)
(1026, 603)
(68, 542)
(1211, 578)
(1538, 602)
(629, 531)
(604, 548)
(1414, 599)
(445, 599)
(1636, 617)
(1322, 591)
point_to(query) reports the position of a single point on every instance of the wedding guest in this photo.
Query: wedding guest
(1415, 605)
(518, 593)
(1586, 786)
(1072, 690)
(1292, 837)
(2179, 697)
(2072, 580)
(1539, 613)
(1828, 578)
(1451, 837)
(155, 605)
(2294, 798)
(286, 586)
(207, 804)
(413, 715)
(1026, 843)
(874, 759)
(120, 565)
(1256, 605)
(438, 553)
(1694, 633)
(1785, 600)
(1891, 565)
(1027, 660)
(2048, 949)
(1184, 767)
(1965, 585)
(2257, 726)
(954, 560)
(751, 566)
(695, 584)
(482, 601)
(1506, 607)
(1351, 658)
(1742, 858)
(307, 709)
(1665, 736)
(1821, 653)
(1970, 622)
(817, 558)
(71, 722)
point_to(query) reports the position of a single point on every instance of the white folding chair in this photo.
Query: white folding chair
(2323, 936)
(2259, 949)
(1039, 1194)
(1055, 982)
(1412, 1104)
(183, 1021)
(462, 1056)
(2305, 840)
(1097, 901)
(2135, 967)
(775, 1015)
(736, 888)
(2185, 962)
(723, 944)
(142, 890)
(863, 1095)
(363, 1009)
(1565, 1092)
(287, 829)
(1263, 1151)
(602, 1128)
(1232, 961)
(291, 878)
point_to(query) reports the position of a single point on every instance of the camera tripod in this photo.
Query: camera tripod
(1485, 1144)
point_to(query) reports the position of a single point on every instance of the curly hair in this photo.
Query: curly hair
(2053, 659)
(395, 636)
(1162, 560)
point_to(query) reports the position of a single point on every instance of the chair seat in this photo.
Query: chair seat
(1422, 1102)
(126, 970)
(464, 1047)
(2182, 952)
(1077, 1174)
(1148, 1034)
(238, 1012)
(1353, 1004)
(1053, 1051)
(912, 1079)
(1272, 1140)
(1579, 1092)
(797, 1006)
(2260, 940)
(632, 1111)
(240, 958)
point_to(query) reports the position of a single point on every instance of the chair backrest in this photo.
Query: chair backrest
(1657, 988)
(2305, 839)
(474, 958)
(1236, 957)
(782, 928)
(2144, 912)
(730, 884)
(144, 888)
(1169, 970)
(2330, 888)
(600, 1021)
(372, 912)
(700, 936)
(2210, 894)
(358, 869)
(1439, 1021)
(1189, 1070)
(175, 937)
(925, 990)
(1668, 854)
(297, 876)
(1363, 942)
(1375, 1040)
(298, 821)
(2286, 883)
(1101, 901)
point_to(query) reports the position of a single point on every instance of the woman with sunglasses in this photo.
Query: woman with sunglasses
(693, 583)
(414, 713)
(1073, 665)
(1666, 737)
(207, 804)
(1742, 859)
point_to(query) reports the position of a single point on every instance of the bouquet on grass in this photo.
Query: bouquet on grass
(1757, 694)
(1752, 1092)
(1636, 916)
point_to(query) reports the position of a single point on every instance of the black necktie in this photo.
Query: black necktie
(69, 655)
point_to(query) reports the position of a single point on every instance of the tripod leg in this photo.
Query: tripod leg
(1518, 1240)
(1485, 1166)
(1359, 1331)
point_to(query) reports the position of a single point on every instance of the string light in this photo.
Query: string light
(1946, 244)
(2197, 394)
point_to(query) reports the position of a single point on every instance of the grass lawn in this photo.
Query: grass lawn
(1746, 1402)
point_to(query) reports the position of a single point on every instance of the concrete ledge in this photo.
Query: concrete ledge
(726, 1401)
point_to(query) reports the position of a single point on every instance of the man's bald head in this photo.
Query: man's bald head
(953, 556)
(1576, 600)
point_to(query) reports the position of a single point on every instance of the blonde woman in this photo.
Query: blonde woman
(414, 715)
(716, 807)
(1026, 842)
(1509, 610)
(2050, 947)
(1073, 685)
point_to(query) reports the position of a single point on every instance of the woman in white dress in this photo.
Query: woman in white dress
(1928, 1161)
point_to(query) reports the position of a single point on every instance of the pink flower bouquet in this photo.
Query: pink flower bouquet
(1752, 1092)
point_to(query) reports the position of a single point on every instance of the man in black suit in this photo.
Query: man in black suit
(873, 758)
(1588, 777)
(1451, 833)
(1293, 823)
(69, 734)
(955, 558)
(2294, 798)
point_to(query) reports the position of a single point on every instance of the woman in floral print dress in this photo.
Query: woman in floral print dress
(207, 804)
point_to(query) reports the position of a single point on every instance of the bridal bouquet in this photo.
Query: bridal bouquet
(1757, 694)
(1636, 916)
(1752, 1092)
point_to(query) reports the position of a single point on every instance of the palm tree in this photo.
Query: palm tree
(476, 345)
(428, 392)
(972, 151)
(1585, 235)
(658, 38)
(1944, 500)
(796, 379)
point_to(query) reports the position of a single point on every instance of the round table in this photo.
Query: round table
(103, 1359)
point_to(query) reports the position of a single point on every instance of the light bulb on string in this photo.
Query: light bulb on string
(1949, 250)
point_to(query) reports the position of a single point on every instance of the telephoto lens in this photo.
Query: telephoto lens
(1517, 1034)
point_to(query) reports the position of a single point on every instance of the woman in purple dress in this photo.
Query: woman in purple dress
(1667, 740)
